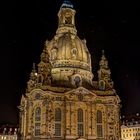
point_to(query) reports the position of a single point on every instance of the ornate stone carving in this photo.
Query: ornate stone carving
(64, 80)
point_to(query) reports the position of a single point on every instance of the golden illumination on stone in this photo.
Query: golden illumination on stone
(62, 101)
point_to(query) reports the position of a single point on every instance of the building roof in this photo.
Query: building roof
(8, 129)
(131, 120)
(67, 4)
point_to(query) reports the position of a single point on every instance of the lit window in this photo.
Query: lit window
(99, 116)
(80, 122)
(99, 124)
(38, 114)
(37, 96)
(37, 121)
(124, 135)
(102, 85)
(57, 122)
(37, 129)
(68, 20)
(77, 81)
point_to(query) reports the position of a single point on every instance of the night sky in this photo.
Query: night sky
(25, 25)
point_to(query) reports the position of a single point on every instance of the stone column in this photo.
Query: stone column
(92, 124)
(30, 115)
(110, 121)
(51, 125)
(43, 121)
(89, 118)
(24, 123)
(68, 131)
(117, 123)
(69, 117)
(73, 119)
(86, 121)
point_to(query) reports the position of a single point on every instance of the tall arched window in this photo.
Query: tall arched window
(80, 121)
(99, 124)
(58, 122)
(37, 121)
(38, 114)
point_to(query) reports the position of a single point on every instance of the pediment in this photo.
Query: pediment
(81, 91)
(39, 94)
(36, 94)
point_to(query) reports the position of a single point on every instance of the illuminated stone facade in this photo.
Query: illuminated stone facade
(130, 131)
(8, 132)
(62, 101)
(130, 128)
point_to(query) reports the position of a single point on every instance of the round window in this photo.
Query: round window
(77, 81)
(37, 96)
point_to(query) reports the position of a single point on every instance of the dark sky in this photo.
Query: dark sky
(25, 25)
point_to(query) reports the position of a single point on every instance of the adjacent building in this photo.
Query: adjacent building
(8, 132)
(130, 129)
(62, 100)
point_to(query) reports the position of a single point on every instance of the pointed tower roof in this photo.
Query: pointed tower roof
(34, 69)
(69, 56)
(104, 73)
(33, 73)
(103, 63)
(67, 4)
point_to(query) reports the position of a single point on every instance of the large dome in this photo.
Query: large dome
(69, 56)
(69, 51)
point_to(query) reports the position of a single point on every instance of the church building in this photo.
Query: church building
(62, 99)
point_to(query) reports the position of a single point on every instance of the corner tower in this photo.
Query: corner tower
(69, 55)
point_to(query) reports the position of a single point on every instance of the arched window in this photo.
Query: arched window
(74, 53)
(99, 124)
(37, 121)
(68, 20)
(58, 122)
(80, 121)
(101, 85)
(99, 116)
(37, 96)
(77, 81)
(38, 114)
